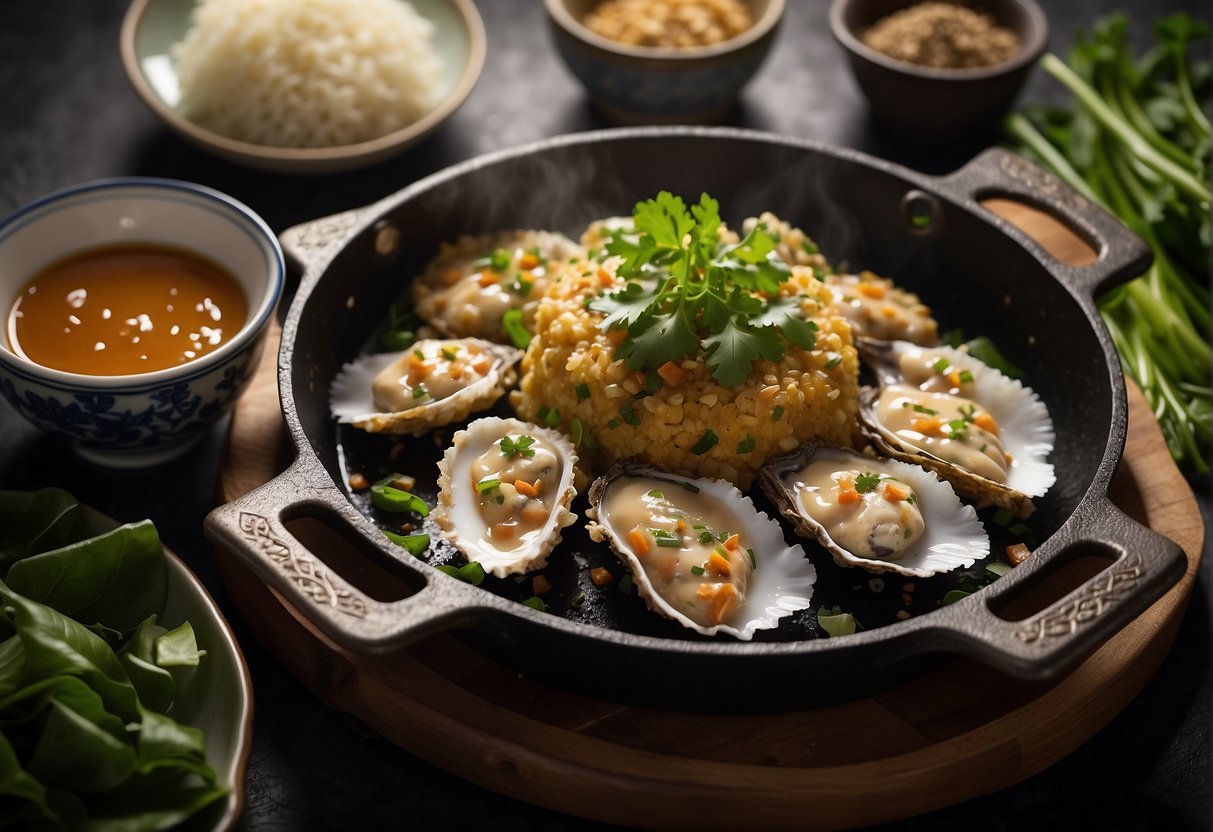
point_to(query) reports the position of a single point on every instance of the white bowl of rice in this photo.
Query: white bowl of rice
(303, 86)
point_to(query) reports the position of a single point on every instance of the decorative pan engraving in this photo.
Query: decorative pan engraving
(308, 242)
(1092, 603)
(313, 579)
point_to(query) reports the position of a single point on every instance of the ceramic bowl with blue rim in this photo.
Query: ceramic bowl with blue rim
(662, 85)
(146, 418)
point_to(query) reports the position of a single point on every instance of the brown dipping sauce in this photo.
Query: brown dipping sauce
(124, 309)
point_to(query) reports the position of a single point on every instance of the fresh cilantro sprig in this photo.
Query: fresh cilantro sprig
(511, 447)
(685, 290)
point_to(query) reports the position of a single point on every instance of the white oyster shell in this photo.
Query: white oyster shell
(351, 400)
(458, 512)
(953, 537)
(780, 584)
(1025, 427)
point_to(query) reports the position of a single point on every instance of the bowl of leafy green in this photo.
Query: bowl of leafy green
(124, 697)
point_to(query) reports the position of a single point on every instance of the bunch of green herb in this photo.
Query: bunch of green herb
(85, 684)
(686, 291)
(1138, 142)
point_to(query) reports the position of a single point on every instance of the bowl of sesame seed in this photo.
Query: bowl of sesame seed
(935, 70)
(664, 61)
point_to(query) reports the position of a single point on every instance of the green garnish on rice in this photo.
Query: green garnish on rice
(685, 291)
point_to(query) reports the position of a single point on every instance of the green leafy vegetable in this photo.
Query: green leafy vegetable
(685, 291)
(706, 442)
(415, 543)
(84, 685)
(471, 573)
(865, 483)
(1137, 142)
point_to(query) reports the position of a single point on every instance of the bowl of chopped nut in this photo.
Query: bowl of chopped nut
(934, 70)
(677, 61)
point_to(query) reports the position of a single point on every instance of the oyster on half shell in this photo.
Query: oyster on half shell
(431, 384)
(504, 490)
(881, 515)
(985, 433)
(699, 551)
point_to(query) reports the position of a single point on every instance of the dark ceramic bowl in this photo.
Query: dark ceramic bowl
(649, 85)
(928, 104)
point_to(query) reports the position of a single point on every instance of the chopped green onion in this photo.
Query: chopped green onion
(954, 595)
(419, 392)
(1003, 516)
(450, 353)
(941, 365)
(697, 570)
(753, 560)
(705, 443)
(582, 390)
(998, 568)
(777, 413)
(472, 573)
(966, 377)
(500, 260)
(397, 340)
(488, 483)
(746, 445)
(511, 321)
(836, 622)
(652, 382)
(834, 361)
(415, 543)
(396, 500)
(656, 494)
(613, 423)
(552, 419)
(629, 414)
(668, 541)
(535, 603)
(694, 489)
(523, 286)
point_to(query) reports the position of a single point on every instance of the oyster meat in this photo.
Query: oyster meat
(698, 550)
(433, 383)
(986, 433)
(880, 310)
(504, 490)
(881, 515)
(469, 287)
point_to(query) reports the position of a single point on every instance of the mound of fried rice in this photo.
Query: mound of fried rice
(808, 394)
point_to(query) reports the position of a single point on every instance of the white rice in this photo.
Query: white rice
(307, 73)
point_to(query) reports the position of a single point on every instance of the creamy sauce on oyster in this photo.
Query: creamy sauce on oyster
(514, 481)
(946, 425)
(869, 514)
(477, 292)
(877, 308)
(430, 371)
(694, 553)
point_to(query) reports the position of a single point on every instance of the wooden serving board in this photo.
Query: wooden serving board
(957, 732)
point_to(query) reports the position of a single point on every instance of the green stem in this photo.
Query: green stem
(1021, 128)
(1141, 148)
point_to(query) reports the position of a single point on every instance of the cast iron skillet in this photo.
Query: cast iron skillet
(931, 234)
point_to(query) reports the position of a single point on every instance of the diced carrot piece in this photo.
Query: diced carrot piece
(528, 260)
(894, 492)
(723, 601)
(457, 368)
(639, 541)
(540, 585)
(986, 422)
(451, 276)
(870, 290)
(889, 311)
(717, 565)
(525, 488)
(359, 482)
(681, 525)
(847, 496)
(732, 542)
(503, 531)
(605, 277)
(926, 425)
(601, 576)
(488, 277)
(671, 373)
(481, 365)
(954, 378)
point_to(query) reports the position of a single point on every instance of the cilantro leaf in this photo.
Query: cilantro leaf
(785, 313)
(732, 352)
(511, 447)
(664, 337)
(867, 482)
(623, 308)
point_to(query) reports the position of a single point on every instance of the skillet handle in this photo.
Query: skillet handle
(253, 527)
(1054, 640)
(998, 172)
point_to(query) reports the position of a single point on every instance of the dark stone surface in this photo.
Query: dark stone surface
(67, 115)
